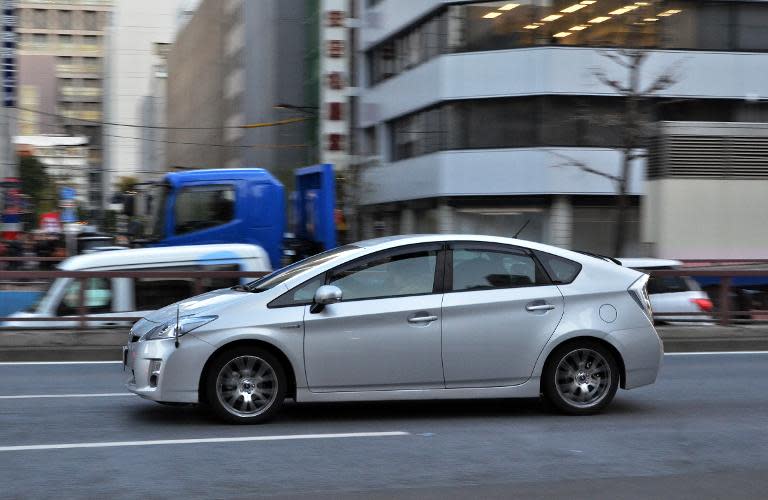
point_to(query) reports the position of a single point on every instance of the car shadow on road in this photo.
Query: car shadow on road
(393, 411)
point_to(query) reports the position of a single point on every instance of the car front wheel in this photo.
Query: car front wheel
(247, 386)
(580, 378)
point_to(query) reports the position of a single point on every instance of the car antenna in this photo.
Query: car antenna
(521, 229)
(176, 328)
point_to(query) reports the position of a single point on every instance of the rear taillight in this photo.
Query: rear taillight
(704, 304)
(639, 292)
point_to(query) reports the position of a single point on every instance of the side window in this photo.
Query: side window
(300, 295)
(98, 297)
(156, 293)
(393, 275)
(487, 269)
(562, 270)
(201, 207)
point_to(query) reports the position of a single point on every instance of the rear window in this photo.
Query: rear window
(670, 284)
(561, 270)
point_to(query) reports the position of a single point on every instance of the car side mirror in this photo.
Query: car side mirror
(326, 294)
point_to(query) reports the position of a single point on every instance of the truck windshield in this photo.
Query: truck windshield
(288, 272)
(157, 222)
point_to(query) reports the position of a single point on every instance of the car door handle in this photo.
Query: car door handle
(539, 307)
(422, 319)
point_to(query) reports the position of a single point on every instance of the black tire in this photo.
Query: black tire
(220, 393)
(564, 377)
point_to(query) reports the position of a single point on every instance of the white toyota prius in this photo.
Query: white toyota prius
(401, 318)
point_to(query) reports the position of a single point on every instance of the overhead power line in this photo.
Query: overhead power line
(184, 143)
(277, 123)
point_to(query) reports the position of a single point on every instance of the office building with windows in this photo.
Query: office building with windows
(61, 60)
(482, 116)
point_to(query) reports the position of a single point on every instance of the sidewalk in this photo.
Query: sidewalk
(106, 345)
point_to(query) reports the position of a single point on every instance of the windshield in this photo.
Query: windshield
(157, 221)
(288, 272)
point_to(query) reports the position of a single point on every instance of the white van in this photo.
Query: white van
(136, 297)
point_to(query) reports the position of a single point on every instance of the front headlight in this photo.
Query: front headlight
(186, 324)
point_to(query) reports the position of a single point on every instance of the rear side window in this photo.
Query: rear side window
(487, 269)
(561, 270)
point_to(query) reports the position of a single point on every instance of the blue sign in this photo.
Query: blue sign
(68, 215)
(67, 193)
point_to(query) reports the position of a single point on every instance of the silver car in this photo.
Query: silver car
(403, 318)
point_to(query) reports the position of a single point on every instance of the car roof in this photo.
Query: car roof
(648, 263)
(160, 255)
(394, 241)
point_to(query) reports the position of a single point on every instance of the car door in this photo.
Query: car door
(499, 310)
(385, 334)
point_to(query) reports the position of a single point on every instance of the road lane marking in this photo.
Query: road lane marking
(712, 353)
(40, 396)
(287, 437)
(24, 363)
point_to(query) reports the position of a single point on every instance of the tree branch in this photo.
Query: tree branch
(614, 84)
(572, 162)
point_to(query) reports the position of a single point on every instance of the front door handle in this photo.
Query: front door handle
(539, 307)
(422, 319)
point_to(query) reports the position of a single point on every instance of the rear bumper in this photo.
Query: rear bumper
(642, 352)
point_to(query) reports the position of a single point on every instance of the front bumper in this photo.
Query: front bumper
(176, 378)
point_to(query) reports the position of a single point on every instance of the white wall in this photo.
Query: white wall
(519, 171)
(706, 218)
(136, 26)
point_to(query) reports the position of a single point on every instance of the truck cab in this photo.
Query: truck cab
(244, 205)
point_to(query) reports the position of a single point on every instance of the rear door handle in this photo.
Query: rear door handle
(422, 319)
(539, 307)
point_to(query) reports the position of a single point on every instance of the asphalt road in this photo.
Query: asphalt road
(700, 432)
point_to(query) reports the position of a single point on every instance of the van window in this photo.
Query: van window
(156, 293)
(98, 297)
(216, 283)
(201, 207)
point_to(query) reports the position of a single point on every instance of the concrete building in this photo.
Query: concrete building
(65, 159)
(231, 65)
(70, 35)
(153, 116)
(467, 110)
(137, 25)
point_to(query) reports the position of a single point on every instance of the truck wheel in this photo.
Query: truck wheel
(246, 385)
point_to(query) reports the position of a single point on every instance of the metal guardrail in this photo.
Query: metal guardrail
(723, 311)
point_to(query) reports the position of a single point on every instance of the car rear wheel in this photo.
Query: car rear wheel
(246, 385)
(580, 378)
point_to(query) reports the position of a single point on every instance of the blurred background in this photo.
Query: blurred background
(630, 129)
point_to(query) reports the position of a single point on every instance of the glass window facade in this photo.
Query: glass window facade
(663, 24)
(543, 121)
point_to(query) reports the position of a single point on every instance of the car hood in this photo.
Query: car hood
(206, 304)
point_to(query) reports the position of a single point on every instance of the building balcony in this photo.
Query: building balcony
(497, 172)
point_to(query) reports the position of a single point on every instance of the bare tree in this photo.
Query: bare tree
(635, 124)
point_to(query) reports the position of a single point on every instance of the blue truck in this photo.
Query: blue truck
(246, 205)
